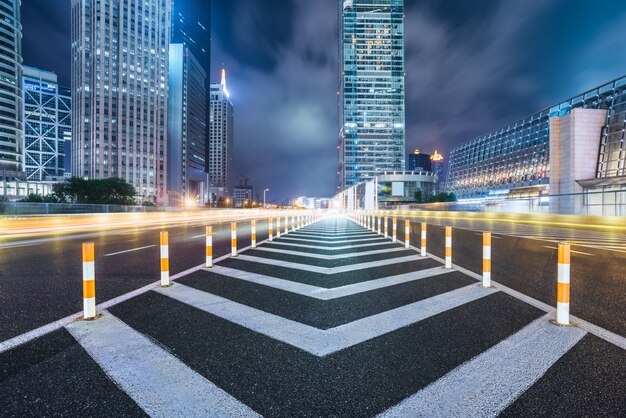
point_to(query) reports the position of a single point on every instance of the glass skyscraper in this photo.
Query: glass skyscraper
(517, 156)
(119, 92)
(221, 142)
(187, 128)
(47, 125)
(371, 90)
(11, 116)
(191, 26)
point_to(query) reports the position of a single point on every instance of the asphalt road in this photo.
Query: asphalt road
(41, 278)
(528, 264)
(357, 327)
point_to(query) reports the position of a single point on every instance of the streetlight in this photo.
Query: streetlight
(266, 190)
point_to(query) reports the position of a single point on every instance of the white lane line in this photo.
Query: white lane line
(323, 342)
(156, 380)
(330, 257)
(330, 270)
(491, 381)
(323, 293)
(5, 247)
(343, 247)
(129, 251)
(574, 252)
(288, 238)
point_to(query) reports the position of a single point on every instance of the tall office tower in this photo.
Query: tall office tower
(437, 163)
(11, 112)
(119, 92)
(371, 90)
(186, 129)
(418, 161)
(221, 171)
(191, 26)
(47, 125)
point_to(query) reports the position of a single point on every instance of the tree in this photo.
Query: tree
(112, 191)
(37, 198)
(443, 197)
(418, 196)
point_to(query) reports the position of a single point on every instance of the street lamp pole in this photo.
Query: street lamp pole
(265, 190)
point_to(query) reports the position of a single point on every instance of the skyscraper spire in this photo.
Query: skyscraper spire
(223, 82)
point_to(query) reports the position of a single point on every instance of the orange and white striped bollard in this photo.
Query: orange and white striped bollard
(486, 259)
(394, 228)
(233, 239)
(379, 226)
(209, 246)
(270, 228)
(386, 227)
(165, 259)
(253, 234)
(448, 247)
(423, 240)
(89, 281)
(563, 284)
(278, 227)
(407, 234)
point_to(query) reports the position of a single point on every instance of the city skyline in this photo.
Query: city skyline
(448, 66)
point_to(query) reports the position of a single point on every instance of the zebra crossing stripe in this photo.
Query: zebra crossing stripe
(324, 342)
(343, 247)
(491, 381)
(291, 238)
(331, 270)
(323, 293)
(156, 380)
(330, 257)
(334, 235)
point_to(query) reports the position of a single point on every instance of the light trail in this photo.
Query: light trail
(66, 224)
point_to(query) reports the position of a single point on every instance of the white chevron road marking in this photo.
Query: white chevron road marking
(330, 257)
(323, 342)
(161, 384)
(491, 381)
(330, 270)
(323, 293)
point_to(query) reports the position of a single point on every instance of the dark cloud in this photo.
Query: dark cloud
(46, 42)
(472, 66)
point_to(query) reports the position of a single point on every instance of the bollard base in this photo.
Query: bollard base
(553, 321)
(82, 318)
(166, 285)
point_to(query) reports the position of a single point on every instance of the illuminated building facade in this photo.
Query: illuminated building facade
(575, 146)
(221, 142)
(11, 111)
(243, 196)
(119, 92)
(371, 89)
(437, 167)
(186, 129)
(47, 125)
(418, 161)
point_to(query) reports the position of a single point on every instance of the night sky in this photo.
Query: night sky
(472, 66)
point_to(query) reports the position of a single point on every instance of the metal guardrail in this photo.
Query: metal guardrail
(606, 203)
(26, 208)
